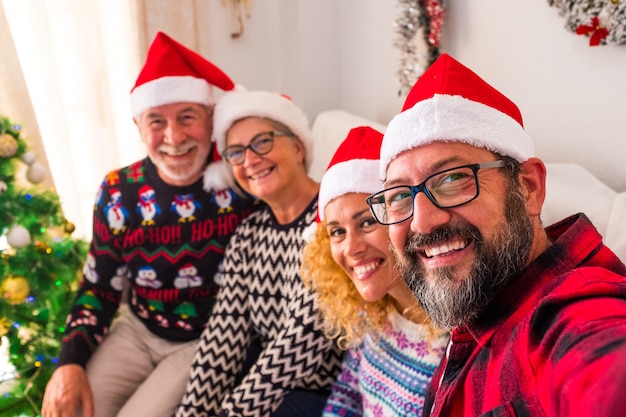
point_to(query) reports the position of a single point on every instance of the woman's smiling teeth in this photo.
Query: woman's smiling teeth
(261, 174)
(361, 270)
(445, 248)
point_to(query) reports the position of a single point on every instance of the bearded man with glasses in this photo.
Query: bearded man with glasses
(537, 315)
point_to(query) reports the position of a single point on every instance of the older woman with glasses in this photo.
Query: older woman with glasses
(393, 352)
(267, 142)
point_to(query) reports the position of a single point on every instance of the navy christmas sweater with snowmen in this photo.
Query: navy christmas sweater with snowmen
(161, 244)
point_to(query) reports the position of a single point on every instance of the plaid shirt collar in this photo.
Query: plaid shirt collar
(574, 239)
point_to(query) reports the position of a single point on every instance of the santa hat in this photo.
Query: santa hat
(239, 104)
(450, 103)
(175, 74)
(353, 168)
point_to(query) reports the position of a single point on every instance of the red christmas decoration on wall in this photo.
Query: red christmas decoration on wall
(603, 21)
(596, 31)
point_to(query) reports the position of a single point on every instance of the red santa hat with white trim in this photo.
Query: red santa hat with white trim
(239, 104)
(451, 103)
(353, 168)
(174, 73)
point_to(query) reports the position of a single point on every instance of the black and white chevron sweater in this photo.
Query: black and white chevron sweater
(262, 294)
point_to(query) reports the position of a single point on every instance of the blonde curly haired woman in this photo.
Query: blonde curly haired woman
(392, 350)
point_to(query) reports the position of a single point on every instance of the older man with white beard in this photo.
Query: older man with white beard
(155, 217)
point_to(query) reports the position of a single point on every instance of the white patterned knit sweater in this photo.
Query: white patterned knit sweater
(388, 377)
(262, 294)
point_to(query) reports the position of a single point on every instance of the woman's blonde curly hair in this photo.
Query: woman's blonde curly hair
(347, 317)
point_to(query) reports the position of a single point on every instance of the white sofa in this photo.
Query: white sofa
(570, 187)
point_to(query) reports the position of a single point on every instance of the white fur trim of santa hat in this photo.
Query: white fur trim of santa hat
(168, 90)
(354, 176)
(353, 168)
(446, 118)
(239, 104)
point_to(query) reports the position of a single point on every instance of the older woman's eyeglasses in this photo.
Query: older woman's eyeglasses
(260, 144)
(446, 189)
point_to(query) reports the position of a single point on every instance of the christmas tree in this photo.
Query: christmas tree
(40, 265)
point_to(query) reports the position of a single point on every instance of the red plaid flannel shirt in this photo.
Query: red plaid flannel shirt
(552, 344)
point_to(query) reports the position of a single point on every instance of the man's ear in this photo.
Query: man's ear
(533, 181)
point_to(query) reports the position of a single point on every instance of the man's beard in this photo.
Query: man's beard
(183, 170)
(451, 300)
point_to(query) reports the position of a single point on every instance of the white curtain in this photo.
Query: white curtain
(78, 63)
(67, 70)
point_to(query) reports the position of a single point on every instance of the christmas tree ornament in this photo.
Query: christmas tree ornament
(29, 157)
(5, 324)
(15, 289)
(36, 173)
(8, 146)
(69, 227)
(26, 335)
(18, 236)
(43, 247)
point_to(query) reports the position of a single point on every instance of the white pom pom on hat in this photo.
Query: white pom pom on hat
(353, 168)
(451, 103)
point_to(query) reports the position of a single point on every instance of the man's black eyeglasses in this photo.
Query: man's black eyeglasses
(446, 189)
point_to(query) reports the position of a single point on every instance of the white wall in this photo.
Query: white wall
(288, 46)
(331, 54)
(325, 54)
(572, 96)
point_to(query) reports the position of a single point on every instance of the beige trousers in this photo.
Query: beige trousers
(136, 373)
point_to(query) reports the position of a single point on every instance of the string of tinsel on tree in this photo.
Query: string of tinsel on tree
(604, 22)
(418, 28)
(39, 267)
